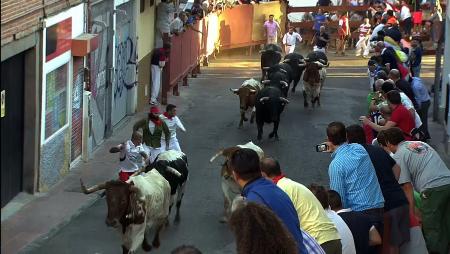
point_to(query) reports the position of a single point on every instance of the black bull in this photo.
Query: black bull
(270, 56)
(269, 106)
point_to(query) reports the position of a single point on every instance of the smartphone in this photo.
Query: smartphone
(320, 148)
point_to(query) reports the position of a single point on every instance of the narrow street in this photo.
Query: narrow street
(211, 118)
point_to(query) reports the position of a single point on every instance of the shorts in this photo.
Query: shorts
(417, 17)
(124, 176)
(399, 225)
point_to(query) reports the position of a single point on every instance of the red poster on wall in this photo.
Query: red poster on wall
(59, 39)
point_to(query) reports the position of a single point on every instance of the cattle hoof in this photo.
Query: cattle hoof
(305, 104)
(259, 138)
(124, 250)
(224, 219)
(177, 219)
(245, 119)
(156, 243)
(277, 138)
(240, 126)
(145, 246)
(271, 135)
(293, 90)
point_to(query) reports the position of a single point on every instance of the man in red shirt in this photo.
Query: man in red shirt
(343, 33)
(400, 116)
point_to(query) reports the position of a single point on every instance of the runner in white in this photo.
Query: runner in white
(173, 122)
(290, 39)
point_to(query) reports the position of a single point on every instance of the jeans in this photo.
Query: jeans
(416, 71)
(423, 114)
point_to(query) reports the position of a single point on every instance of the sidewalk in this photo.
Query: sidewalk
(28, 218)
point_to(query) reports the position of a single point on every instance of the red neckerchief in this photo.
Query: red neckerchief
(167, 115)
(157, 121)
(277, 178)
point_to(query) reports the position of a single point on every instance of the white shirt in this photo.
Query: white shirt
(172, 124)
(409, 105)
(405, 13)
(291, 39)
(176, 26)
(131, 159)
(347, 241)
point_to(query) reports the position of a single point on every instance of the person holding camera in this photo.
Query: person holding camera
(353, 176)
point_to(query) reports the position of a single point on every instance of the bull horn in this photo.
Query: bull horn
(286, 60)
(283, 70)
(253, 91)
(266, 68)
(235, 90)
(264, 99)
(265, 82)
(319, 64)
(93, 188)
(216, 155)
(284, 100)
(284, 83)
(173, 171)
(262, 51)
(302, 65)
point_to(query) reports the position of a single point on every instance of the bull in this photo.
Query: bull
(270, 56)
(294, 60)
(230, 188)
(313, 77)
(280, 75)
(247, 96)
(270, 104)
(144, 200)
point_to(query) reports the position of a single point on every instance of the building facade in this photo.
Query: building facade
(59, 105)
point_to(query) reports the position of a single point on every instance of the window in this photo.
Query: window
(56, 100)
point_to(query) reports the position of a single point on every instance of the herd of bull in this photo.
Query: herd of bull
(145, 200)
(266, 99)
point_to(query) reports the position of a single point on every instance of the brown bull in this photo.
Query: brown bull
(230, 188)
(247, 98)
(135, 206)
(313, 79)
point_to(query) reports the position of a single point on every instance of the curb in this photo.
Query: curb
(43, 238)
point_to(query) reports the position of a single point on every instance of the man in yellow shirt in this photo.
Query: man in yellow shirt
(312, 216)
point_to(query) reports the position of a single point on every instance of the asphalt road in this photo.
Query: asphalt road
(212, 120)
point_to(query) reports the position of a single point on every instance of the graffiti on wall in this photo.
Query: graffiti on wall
(125, 67)
(125, 61)
(100, 62)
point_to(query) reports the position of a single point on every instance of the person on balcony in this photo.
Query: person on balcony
(163, 17)
(271, 29)
(177, 25)
(158, 61)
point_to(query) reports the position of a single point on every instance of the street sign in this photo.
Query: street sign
(3, 102)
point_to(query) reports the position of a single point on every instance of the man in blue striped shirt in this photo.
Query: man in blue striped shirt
(353, 176)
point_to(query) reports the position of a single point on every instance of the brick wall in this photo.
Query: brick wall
(20, 18)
